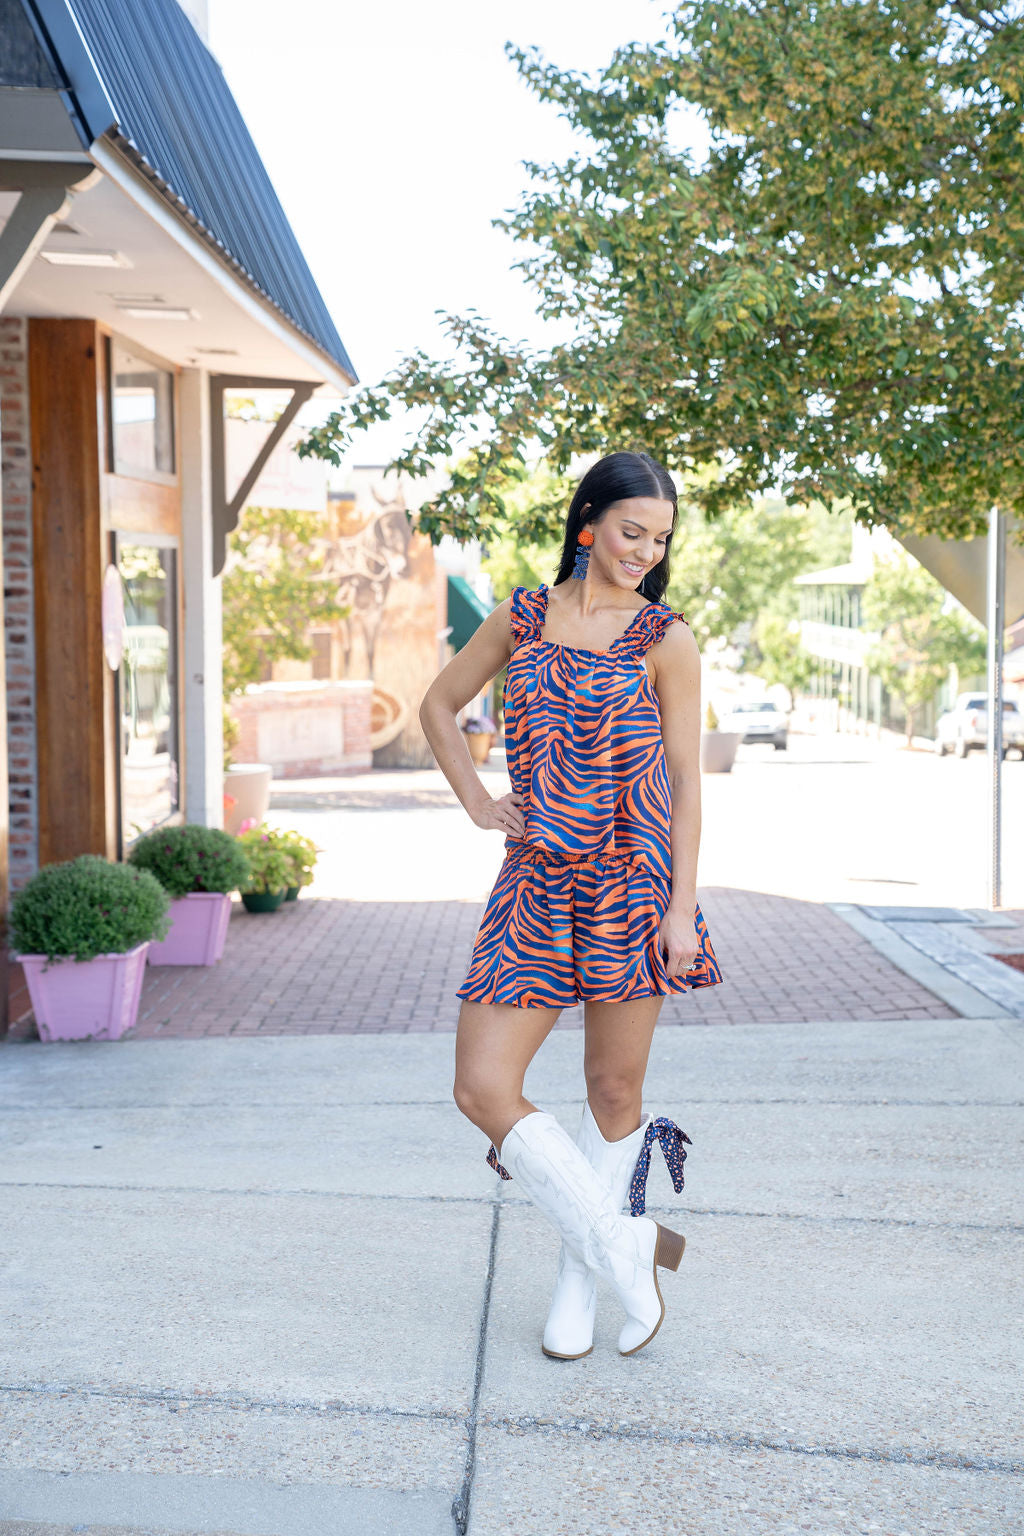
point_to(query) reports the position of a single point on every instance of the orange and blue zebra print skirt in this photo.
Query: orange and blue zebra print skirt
(575, 910)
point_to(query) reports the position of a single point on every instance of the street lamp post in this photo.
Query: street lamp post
(996, 589)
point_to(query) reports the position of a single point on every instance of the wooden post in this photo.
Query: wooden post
(73, 690)
(5, 963)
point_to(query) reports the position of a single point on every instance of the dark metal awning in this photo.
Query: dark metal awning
(136, 75)
(466, 611)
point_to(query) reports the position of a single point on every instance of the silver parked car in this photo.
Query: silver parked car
(966, 726)
(759, 721)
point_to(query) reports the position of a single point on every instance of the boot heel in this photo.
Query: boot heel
(669, 1248)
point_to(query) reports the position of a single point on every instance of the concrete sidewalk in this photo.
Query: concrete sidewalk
(270, 1287)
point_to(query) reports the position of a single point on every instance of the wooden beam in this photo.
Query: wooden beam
(73, 689)
(46, 190)
(226, 513)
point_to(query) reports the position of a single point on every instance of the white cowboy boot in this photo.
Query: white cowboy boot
(569, 1330)
(625, 1249)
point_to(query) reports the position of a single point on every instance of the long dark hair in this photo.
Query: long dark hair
(619, 477)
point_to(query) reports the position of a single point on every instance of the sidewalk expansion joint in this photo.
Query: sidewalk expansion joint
(238, 1402)
(461, 1503)
(681, 1212)
(177, 1401)
(347, 1104)
(810, 1217)
(590, 1429)
(283, 1193)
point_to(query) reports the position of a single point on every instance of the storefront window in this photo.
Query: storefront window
(148, 687)
(142, 414)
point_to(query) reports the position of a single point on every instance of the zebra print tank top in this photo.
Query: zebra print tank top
(583, 739)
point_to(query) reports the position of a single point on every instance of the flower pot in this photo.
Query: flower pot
(199, 927)
(248, 785)
(292, 893)
(480, 743)
(85, 999)
(718, 751)
(262, 901)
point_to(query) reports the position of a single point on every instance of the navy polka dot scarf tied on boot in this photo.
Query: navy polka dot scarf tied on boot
(670, 1139)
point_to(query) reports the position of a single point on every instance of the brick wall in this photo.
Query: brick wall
(19, 637)
(306, 729)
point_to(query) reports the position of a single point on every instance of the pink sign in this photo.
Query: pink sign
(113, 617)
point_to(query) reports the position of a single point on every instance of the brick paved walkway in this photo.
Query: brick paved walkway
(322, 966)
(348, 958)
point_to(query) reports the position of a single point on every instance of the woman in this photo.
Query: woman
(596, 899)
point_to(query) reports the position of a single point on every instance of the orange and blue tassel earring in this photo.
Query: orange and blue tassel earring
(584, 540)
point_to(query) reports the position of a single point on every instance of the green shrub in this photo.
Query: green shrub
(192, 858)
(301, 853)
(88, 907)
(270, 868)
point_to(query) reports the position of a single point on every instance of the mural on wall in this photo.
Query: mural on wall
(385, 571)
(380, 569)
(364, 565)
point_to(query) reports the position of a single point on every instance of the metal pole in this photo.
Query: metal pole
(996, 604)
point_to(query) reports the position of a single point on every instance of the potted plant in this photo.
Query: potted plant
(302, 855)
(717, 748)
(198, 867)
(81, 930)
(479, 731)
(270, 870)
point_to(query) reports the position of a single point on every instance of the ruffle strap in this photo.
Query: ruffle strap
(649, 628)
(492, 1159)
(670, 1139)
(526, 614)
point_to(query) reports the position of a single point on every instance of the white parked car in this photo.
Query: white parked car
(966, 726)
(758, 721)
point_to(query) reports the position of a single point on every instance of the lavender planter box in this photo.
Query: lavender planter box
(85, 999)
(199, 927)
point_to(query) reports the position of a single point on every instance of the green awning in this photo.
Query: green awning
(466, 611)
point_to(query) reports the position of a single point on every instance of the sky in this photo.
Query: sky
(394, 133)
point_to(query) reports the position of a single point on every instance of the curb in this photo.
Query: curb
(959, 995)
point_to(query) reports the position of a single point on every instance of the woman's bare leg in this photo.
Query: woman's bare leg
(494, 1046)
(618, 1044)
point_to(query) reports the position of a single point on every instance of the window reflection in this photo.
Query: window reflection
(148, 688)
(142, 413)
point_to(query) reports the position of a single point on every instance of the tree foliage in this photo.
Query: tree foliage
(727, 571)
(827, 306)
(525, 550)
(274, 591)
(777, 655)
(920, 636)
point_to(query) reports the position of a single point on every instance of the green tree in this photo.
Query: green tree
(525, 549)
(827, 304)
(920, 636)
(727, 571)
(776, 655)
(274, 591)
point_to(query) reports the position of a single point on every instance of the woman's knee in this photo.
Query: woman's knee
(612, 1091)
(479, 1101)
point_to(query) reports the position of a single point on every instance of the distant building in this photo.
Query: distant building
(354, 704)
(832, 632)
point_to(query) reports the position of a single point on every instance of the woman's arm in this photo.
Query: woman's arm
(677, 684)
(469, 671)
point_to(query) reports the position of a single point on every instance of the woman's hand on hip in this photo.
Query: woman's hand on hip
(678, 944)
(501, 815)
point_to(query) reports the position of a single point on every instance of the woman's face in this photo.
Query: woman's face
(630, 538)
